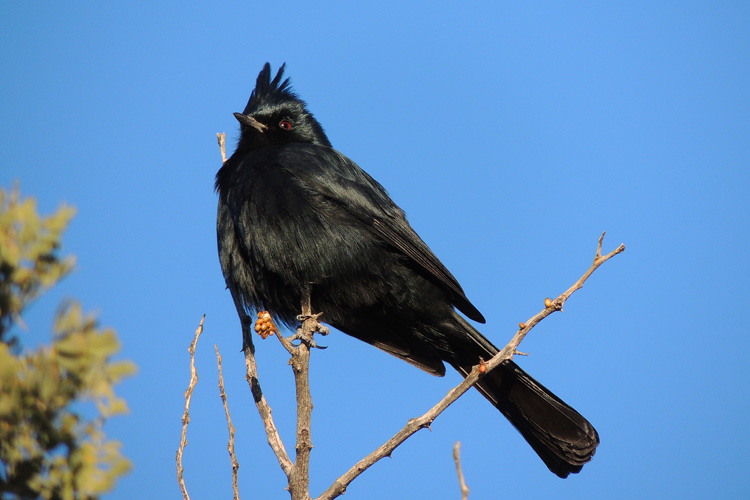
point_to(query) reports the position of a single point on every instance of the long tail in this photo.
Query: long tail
(561, 437)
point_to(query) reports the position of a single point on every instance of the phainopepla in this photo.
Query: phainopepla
(296, 218)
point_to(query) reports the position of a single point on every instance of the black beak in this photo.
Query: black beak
(249, 121)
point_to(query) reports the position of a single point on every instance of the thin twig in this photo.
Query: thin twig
(340, 484)
(251, 375)
(461, 481)
(557, 304)
(186, 414)
(287, 342)
(222, 138)
(230, 446)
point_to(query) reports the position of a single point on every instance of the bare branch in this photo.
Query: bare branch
(299, 482)
(230, 445)
(222, 138)
(298, 473)
(557, 304)
(461, 481)
(340, 484)
(186, 414)
(251, 375)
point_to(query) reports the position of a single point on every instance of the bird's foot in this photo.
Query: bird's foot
(304, 339)
(316, 325)
(310, 325)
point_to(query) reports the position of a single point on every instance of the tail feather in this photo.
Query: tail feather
(562, 438)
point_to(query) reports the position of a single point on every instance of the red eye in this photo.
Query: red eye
(285, 124)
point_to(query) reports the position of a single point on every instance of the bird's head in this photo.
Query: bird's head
(274, 115)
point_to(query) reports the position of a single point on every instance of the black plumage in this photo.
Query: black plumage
(296, 217)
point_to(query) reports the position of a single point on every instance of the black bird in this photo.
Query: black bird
(296, 217)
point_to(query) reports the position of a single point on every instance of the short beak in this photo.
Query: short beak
(249, 121)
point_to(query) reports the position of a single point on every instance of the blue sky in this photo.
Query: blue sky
(512, 134)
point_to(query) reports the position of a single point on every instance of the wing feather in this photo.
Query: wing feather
(365, 199)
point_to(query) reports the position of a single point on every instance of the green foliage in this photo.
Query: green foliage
(48, 449)
(28, 260)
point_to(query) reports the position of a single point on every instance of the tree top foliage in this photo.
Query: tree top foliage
(51, 446)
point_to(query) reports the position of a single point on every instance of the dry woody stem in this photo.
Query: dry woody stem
(459, 471)
(221, 137)
(186, 414)
(230, 445)
(299, 481)
(251, 375)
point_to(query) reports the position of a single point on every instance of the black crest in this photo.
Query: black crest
(269, 92)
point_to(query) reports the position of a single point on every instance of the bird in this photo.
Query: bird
(297, 219)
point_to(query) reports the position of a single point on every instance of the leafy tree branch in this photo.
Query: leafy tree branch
(48, 448)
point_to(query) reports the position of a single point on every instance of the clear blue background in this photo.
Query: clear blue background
(512, 134)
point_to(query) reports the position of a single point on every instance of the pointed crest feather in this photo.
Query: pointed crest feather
(269, 92)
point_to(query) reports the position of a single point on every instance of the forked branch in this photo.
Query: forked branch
(340, 484)
(298, 473)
